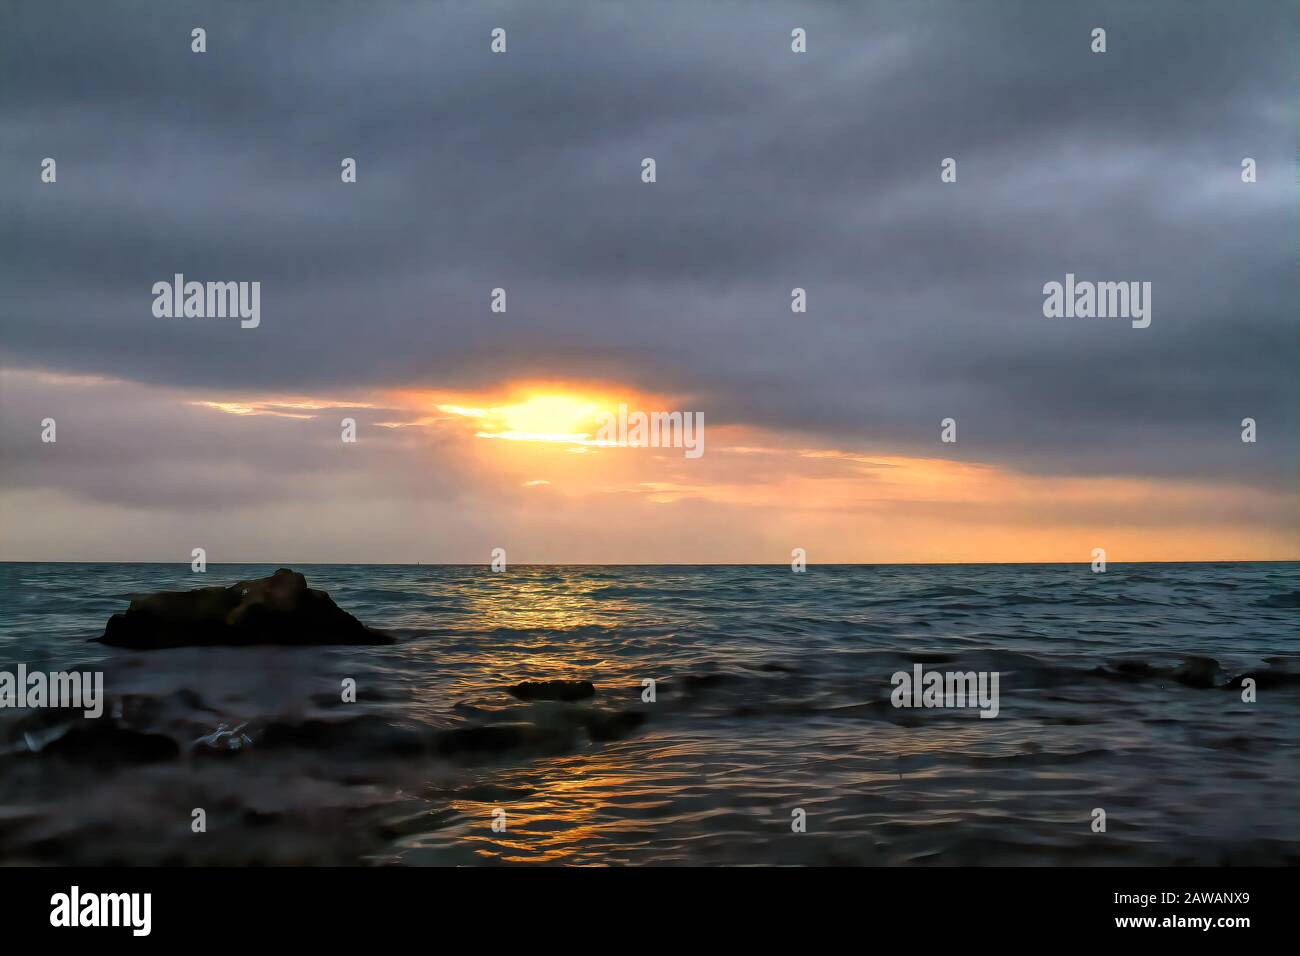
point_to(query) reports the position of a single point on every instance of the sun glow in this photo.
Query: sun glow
(539, 417)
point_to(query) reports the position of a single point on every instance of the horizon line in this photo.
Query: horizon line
(672, 564)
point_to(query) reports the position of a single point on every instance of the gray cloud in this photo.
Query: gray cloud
(775, 171)
(149, 448)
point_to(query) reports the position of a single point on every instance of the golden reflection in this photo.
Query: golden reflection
(562, 821)
(544, 599)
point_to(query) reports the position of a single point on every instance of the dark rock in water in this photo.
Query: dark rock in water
(102, 743)
(1198, 672)
(363, 734)
(280, 609)
(568, 690)
(1265, 679)
(694, 682)
(222, 742)
(613, 725)
(499, 738)
(1135, 670)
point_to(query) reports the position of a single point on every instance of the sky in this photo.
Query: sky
(522, 170)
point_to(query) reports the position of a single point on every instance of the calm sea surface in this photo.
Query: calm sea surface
(772, 695)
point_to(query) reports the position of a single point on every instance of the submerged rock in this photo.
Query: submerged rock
(279, 609)
(222, 742)
(503, 737)
(104, 743)
(1199, 672)
(566, 690)
(1269, 679)
(365, 734)
(612, 725)
(705, 681)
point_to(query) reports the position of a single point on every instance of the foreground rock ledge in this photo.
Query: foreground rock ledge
(278, 610)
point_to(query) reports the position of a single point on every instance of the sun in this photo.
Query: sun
(539, 416)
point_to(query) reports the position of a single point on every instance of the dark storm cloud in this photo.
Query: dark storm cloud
(775, 171)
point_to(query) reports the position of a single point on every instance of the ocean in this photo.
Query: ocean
(771, 737)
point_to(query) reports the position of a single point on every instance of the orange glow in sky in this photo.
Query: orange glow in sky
(439, 472)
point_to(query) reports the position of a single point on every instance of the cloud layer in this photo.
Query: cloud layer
(775, 170)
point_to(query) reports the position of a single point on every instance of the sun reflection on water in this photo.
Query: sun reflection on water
(545, 599)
